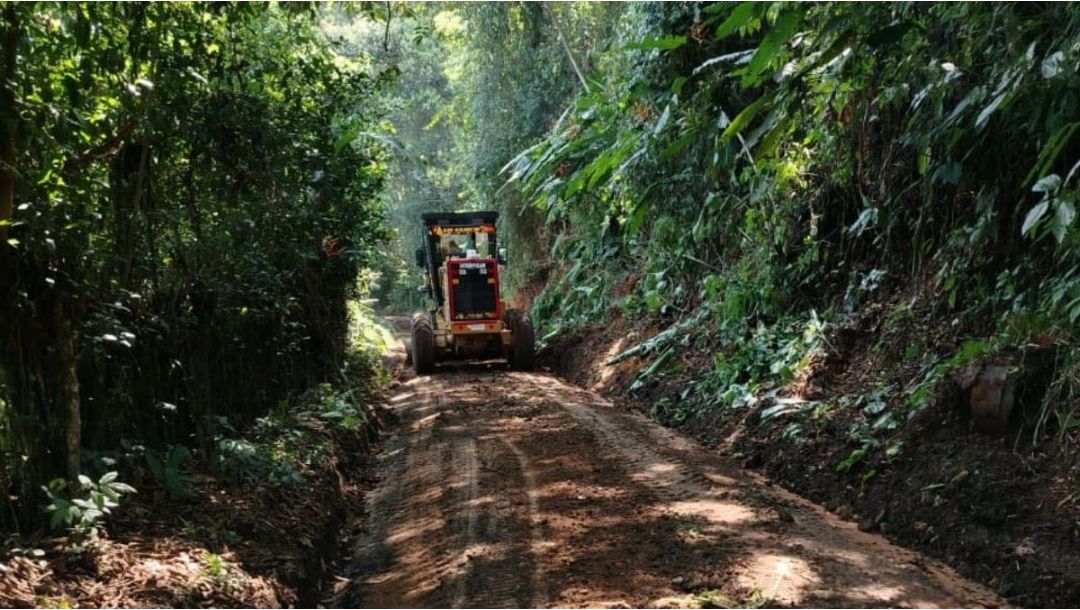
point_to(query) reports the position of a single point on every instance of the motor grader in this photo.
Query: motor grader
(466, 317)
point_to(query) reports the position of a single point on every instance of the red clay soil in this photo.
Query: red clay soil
(998, 510)
(512, 489)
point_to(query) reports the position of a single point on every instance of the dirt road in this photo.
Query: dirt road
(506, 489)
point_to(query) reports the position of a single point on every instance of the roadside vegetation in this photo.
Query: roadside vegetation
(761, 172)
(186, 369)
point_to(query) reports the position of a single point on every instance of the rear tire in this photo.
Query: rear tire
(423, 345)
(522, 352)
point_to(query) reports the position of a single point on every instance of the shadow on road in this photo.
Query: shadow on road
(510, 489)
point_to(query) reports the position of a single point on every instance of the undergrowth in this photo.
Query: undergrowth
(296, 439)
(749, 177)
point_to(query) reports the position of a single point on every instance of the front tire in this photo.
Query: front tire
(522, 352)
(423, 344)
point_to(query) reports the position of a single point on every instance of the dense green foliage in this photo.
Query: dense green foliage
(759, 169)
(823, 143)
(750, 175)
(190, 209)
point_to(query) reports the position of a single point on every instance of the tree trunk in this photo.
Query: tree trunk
(566, 47)
(69, 389)
(8, 122)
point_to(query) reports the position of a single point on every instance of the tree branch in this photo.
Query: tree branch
(566, 47)
(109, 147)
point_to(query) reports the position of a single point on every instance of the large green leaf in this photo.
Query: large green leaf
(743, 118)
(738, 18)
(984, 115)
(678, 145)
(1047, 184)
(1052, 150)
(1034, 216)
(662, 43)
(771, 46)
(1064, 213)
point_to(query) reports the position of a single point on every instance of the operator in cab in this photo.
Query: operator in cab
(455, 249)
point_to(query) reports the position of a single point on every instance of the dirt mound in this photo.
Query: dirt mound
(581, 355)
(996, 508)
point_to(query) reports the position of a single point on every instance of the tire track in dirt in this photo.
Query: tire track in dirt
(513, 490)
(450, 522)
(411, 469)
(537, 547)
(466, 467)
(500, 565)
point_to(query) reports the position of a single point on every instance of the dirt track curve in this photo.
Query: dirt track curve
(508, 489)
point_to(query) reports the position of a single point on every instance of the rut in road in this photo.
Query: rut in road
(507, 489)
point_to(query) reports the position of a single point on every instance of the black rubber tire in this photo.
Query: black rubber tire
(522, 352)
(423, 345)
